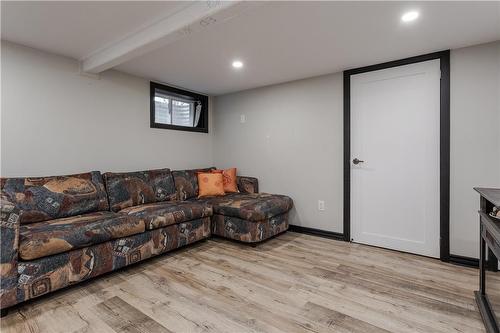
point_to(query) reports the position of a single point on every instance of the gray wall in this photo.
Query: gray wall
(56, 121)
(475, 139)
(292, 141)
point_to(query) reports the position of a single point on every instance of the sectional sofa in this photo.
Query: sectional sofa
(57, 231)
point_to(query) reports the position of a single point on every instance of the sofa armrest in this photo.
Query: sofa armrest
(9, 243)
(248, 184)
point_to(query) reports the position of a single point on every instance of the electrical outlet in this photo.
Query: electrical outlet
(243, 118)
(321, 205)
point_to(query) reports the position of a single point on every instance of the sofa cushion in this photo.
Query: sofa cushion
(186, 182)
(46, 198)
(249, 206)
(162, 214)
(129, 189)
(42, 239)
(210, 184)
(229, 179)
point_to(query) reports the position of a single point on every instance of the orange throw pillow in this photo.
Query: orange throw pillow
(210, 184)
(229, 178)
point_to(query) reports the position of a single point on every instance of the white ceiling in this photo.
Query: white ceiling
(78, 28)
(277, 41)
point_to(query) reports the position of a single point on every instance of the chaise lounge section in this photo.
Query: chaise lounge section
(246, 216)
(249, 217)
(57, 231)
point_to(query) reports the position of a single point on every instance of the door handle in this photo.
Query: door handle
(356, 161)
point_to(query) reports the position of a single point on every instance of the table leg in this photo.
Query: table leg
(482, 262)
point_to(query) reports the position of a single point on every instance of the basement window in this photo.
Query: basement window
(177, 109)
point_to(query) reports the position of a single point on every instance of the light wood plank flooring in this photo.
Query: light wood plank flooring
(292, 283)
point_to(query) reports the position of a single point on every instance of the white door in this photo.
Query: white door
(395, 131)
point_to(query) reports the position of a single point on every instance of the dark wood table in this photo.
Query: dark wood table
(488, 303)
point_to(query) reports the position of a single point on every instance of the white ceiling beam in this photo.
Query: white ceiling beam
(192, 18)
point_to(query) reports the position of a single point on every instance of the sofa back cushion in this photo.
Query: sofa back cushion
(129, 189)
(46, 198)
(186, 182)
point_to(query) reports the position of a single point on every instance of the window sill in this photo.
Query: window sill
(179, 128)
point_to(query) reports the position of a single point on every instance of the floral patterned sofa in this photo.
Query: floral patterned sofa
(57, 231)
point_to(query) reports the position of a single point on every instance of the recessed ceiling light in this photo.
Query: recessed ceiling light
(237, 64)
(409, 16)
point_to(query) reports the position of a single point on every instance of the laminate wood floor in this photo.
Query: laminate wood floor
(292, 283)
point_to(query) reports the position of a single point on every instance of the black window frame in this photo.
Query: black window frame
(202, 123)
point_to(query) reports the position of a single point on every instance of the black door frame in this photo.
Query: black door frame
(444, 160)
